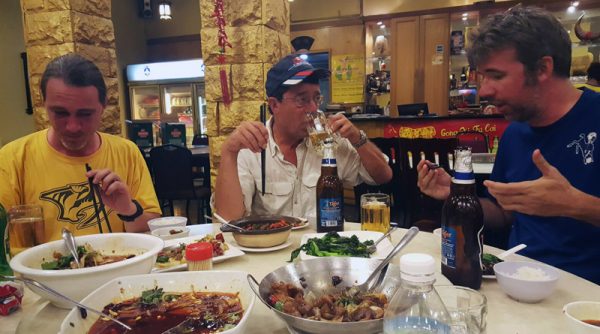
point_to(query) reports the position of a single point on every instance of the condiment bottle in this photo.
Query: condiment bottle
(199, 256)
(462, 226)
(416, 307)
(330, 193)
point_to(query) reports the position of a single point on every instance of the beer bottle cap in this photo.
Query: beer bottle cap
(417, 267)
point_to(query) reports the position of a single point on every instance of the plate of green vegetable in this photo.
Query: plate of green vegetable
(347, 243)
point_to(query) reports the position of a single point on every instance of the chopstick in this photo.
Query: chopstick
(98, 204)
(263, 119)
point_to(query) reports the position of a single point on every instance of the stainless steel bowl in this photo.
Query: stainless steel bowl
(317, 277)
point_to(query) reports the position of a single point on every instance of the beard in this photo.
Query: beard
(74, 146)
(521, 113)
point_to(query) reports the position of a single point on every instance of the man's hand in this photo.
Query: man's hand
(114, 192)
(550, 195)
(433, 182)
(340, 124)
(250, 135)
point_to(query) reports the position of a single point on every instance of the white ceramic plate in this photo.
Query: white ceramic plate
(383, 248)
(126, 287)
(266, 249)
(230, 253)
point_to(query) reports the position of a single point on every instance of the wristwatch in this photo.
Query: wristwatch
(138, 212)
(362, 140)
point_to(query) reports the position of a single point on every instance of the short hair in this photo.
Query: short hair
(593, 72)
(74, 70)
(533, 32)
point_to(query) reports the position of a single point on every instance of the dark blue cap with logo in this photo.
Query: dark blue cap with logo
(289, 71)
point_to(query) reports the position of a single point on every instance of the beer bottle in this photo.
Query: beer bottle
(462, 226)
(4, 267)
(330, 199)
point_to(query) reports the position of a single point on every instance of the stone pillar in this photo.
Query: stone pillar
(259, 31)
(57, 27)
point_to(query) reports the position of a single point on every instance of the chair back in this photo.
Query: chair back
(200, 140)
(413, 109)
(390, 147)
(477, 141)
(416, 204)
(172, 172)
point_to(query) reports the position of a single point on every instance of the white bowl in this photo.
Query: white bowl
(127, 287)
(172, 221)
(78, 283)
(165, 232)
(528, 290)
(575, 312)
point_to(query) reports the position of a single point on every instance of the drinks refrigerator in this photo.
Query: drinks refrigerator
(168, 92)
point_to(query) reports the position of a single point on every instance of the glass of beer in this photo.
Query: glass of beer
(318, 130)
(25, 227)
(375, 212)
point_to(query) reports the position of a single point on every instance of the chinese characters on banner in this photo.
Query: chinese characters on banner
(347, 78)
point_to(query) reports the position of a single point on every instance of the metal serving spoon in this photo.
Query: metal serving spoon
(373, 247)
(71, 245)
(60, 295)
(224, 222)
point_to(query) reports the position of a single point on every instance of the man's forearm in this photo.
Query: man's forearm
(140, 224)
(229, 200)
(586, 208)
(374, 162)
(493, 215)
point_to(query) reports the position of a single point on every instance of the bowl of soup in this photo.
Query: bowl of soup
(106, 256)
(583, 317)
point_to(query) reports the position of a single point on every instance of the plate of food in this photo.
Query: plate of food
(172, 257)
(347, 243)
(155, 303)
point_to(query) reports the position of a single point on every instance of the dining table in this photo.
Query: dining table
(505, 315)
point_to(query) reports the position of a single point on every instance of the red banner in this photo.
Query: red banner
(444, 128)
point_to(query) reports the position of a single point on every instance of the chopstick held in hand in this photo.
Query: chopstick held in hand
(263, 120)
(98, 204)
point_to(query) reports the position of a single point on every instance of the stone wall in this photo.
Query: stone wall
(55, 27)
(259, 31)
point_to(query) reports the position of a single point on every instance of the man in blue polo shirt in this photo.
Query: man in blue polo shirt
(546, 178)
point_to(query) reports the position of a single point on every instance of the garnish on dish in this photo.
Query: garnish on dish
(88, 257)
(332, 244)
(488, 261)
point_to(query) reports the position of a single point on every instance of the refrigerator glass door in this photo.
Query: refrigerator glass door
(201, 105)
(145, 103)
(178, 107)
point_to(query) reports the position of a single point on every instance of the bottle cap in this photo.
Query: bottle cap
(199, 251)
(417, 267)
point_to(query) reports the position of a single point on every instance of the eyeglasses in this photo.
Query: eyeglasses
(303, 100)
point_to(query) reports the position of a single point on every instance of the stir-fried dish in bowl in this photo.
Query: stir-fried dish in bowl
(88, 257)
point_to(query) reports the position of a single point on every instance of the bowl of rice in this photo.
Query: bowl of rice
(528, 282)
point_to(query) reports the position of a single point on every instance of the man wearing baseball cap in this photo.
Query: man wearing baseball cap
(292, 169)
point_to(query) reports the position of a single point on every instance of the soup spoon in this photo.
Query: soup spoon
(71, 245)
(511, 251)
(48, 289)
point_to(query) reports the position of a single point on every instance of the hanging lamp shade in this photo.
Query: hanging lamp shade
(302, 43)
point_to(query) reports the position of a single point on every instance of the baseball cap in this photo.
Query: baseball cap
(289, 71)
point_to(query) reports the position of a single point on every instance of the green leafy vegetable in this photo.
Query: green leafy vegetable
(162, 259)
(153, 296)
(488, 261)
(332, 244)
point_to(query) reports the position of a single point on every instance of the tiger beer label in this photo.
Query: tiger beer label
(449, 246)
(331, 212)
(328, 162)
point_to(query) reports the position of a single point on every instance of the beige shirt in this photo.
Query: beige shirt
(291, 190)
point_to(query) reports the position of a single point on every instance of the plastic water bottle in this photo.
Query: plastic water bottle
(416, 308)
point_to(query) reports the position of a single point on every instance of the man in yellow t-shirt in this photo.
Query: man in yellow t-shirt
(48, 166)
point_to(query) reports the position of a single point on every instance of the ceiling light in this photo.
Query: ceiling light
(464, 18)
(379, 23)
(575, 3)
(571, 9)
(382, 26)
(465, 14)
(164, 10)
